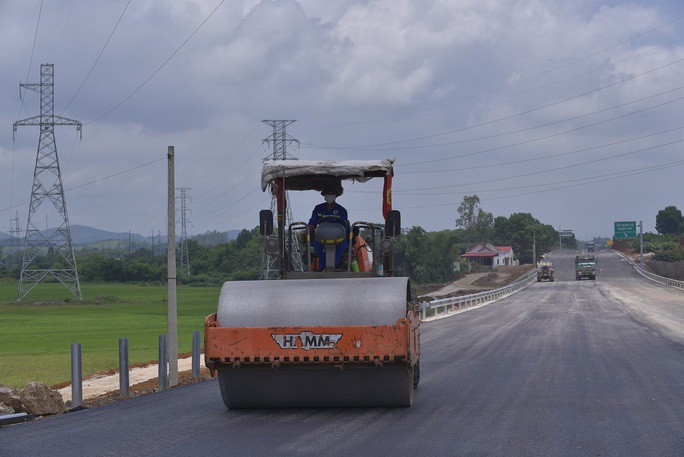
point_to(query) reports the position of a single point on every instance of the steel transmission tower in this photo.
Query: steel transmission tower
(47, 194)
(280, 140)
(184, 212)
(15, 233)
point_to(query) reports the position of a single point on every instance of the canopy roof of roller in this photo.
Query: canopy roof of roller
(314, 174)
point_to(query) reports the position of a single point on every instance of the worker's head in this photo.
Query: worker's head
(331, 191)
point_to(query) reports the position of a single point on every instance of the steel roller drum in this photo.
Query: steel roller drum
(285, 303)
(303, 302)
(316, 387)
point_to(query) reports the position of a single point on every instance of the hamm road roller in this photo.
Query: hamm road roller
(337, 328)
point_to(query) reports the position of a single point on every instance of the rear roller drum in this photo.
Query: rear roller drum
(313, 387)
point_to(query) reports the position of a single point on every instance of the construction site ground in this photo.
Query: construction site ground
(478, 282)
(102, 388)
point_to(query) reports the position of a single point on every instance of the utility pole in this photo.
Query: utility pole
(184, 212)
(47, 189)
(280, 140)
(172, 340)
(641, 244)
(129, 243)
(534, 249)
(152, 244)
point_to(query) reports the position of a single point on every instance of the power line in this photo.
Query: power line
(159, 68)
(536, 192)
(247, 176)
(528, 186)
(224, 180)
(92, 182)
(545, 137)
(534, 159)
(506, 86)
(549, 156)
(375, 147)
(551, 169)
(35, 38)
(98, 57)
(222, 212)
(660, 167)
(548, 124)
(116, 174)
(62, 32)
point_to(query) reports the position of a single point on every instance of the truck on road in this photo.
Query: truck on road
(591, 247)
(544, 270)
(585, 267)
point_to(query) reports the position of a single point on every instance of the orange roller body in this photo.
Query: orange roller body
(317, 344)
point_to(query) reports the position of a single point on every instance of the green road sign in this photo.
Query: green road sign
(625, 229)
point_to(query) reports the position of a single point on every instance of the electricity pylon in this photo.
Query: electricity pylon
(15, 233)
(280, 140)
(47, 194)
(184, 212)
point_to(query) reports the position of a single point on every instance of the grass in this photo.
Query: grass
(36, 334)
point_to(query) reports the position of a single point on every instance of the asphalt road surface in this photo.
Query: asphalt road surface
(565, 368)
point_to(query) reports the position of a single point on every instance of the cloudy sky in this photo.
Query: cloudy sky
(572, 111)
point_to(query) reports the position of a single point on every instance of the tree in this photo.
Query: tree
(519, 231)
(668, 220)
(476, 223)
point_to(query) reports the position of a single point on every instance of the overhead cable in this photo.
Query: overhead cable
(376, 146)
(141, 85)
(98, 57)
(506, 86)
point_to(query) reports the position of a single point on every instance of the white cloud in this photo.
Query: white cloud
(424, 67)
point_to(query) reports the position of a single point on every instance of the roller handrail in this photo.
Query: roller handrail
(652, 276)
(350, 250)
(452, 304)
(299, 226)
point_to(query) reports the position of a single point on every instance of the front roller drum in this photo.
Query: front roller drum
(314, 387)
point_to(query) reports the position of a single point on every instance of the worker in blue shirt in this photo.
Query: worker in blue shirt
(330, 211)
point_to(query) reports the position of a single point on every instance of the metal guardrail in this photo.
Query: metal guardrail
(652, 276)
(446, 306)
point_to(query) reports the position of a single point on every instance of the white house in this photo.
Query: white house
(489, 255)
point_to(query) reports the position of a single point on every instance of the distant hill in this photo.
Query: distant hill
(82, 234)
(212, 238)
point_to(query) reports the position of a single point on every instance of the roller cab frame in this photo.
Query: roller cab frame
(326, 364)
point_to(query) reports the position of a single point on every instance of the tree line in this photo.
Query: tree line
(425, 257)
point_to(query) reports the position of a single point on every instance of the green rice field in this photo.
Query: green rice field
(36, 334)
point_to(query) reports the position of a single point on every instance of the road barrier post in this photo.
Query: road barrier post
(76, 376)
(124, 381)
(163, 381)
(196, 353)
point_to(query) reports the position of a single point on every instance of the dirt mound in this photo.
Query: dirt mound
(502, 276)
(458, 293)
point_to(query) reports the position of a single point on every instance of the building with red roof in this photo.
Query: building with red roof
(488, 255)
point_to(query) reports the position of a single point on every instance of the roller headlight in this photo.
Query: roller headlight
(387, 245)
(271, 246)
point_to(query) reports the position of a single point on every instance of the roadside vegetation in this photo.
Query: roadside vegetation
(36, 335)
(668, 243)
(125, 291)
(426, 257)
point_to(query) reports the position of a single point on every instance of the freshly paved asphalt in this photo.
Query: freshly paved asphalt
(563, 368)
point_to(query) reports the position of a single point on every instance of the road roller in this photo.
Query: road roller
(335, 328)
